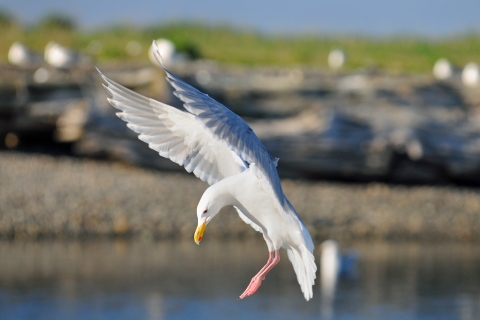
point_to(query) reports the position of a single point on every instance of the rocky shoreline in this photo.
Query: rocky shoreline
(42, 196)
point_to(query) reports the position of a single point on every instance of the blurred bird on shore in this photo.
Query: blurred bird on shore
(443, 69)
(168, 51)
(334, 265)
(61, 57)
(336, 59)
(22, 56)
(471, 74)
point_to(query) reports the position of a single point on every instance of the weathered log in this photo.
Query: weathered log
(367, 125)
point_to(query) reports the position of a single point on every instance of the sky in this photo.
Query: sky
(430, 18)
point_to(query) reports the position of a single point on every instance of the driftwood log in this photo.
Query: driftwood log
(362, 126)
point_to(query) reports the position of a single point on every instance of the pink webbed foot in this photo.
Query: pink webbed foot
(256, 281)
(252, 287)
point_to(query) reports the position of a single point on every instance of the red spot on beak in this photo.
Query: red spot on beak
(200, 239)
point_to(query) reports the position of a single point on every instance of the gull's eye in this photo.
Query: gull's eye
(205, 211)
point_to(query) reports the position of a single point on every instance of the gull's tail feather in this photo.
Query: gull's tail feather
(303, 262)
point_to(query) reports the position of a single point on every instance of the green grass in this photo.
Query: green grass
(246, 47)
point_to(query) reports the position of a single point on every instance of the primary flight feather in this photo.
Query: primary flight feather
(220, 148)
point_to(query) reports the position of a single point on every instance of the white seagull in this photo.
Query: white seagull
(220, 148)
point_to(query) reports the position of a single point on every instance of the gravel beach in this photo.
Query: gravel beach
(43, 196)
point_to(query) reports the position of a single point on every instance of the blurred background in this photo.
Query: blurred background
(373, 108)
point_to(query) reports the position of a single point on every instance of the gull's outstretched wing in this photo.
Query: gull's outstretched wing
(175, 134)
(230, 128)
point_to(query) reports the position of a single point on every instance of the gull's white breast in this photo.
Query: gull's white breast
(258, 205)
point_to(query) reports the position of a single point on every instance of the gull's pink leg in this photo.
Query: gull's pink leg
(271, 256)
(273, 259)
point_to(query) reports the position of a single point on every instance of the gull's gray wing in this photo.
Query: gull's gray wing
(175, 134)
(227, 126)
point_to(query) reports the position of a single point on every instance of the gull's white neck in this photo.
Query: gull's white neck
(220, 195)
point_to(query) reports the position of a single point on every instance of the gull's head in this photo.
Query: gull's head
(207, 209)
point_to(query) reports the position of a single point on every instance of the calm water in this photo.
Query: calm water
(179, 280)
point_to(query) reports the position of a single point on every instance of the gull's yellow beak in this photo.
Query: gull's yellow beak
(199, 233)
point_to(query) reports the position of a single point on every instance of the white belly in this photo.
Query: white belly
(258, 206)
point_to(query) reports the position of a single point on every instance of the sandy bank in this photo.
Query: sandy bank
(43, 196)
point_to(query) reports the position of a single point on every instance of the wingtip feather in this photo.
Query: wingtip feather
(113, 103)
(157, 55)
(100, 72)
(109, 91)
(104, 77)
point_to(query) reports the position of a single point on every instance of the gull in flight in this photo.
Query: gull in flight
(220, 148)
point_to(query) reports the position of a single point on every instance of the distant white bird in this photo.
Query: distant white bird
(221, 149)
(330, 264)
(442, 69)
(333, 264)
(329, 267)
(336, 59)
(20, 55)
(60, 57)
(166, 49)
(471, 74)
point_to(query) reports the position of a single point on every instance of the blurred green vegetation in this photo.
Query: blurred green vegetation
(245, 47)
(56, 21)
(6, 20)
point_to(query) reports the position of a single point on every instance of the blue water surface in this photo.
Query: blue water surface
(112, 281)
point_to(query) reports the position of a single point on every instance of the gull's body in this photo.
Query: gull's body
(221, 149)
(248, 195)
